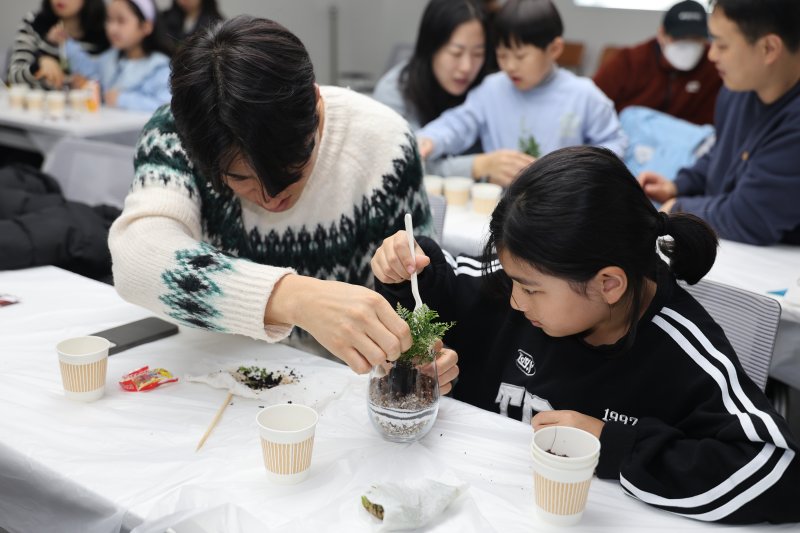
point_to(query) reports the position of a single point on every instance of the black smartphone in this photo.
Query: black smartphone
(135, 333)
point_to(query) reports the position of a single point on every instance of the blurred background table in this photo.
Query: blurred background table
(127, 461)
(33, 131)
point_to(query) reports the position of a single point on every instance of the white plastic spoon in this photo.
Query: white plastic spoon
(414, 283)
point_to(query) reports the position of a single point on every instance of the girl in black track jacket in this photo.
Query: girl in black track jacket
(577, 321)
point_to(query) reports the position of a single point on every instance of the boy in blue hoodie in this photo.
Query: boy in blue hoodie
(532, 105)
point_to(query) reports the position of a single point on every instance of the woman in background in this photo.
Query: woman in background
(35, 58)
(449, 59)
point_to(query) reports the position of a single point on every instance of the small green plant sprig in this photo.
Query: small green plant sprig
(528, 145)
(424, 332)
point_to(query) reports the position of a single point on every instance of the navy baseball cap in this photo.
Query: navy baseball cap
(686, 19)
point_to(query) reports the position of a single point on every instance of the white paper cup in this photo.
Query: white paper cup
(456, 190)
(83, 362)
(287, 441)
(564, 459)
(78, 99)
(56, 102)
(16, 96)
(433, 185)
(485, 197)
(34, 100)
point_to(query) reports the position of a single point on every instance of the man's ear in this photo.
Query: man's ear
(771, 47)
(612, 283)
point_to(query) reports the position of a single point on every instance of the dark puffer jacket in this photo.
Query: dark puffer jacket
(39, 227)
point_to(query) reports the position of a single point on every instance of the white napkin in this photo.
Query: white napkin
(314, 389)
(412, 504)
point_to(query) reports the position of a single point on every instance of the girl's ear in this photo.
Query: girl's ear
(147, 27)
(555, 48)
(613, 284)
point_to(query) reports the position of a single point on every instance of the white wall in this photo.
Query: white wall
(368, 29)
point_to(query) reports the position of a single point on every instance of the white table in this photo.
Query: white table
(128, 459)
(755, 268)
(30, 130)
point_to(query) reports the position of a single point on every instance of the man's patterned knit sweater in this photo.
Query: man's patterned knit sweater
(210, 259)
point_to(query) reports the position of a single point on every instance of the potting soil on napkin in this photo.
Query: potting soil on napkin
(412, 504)
(310, 386)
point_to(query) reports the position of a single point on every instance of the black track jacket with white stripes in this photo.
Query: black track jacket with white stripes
(686, 430)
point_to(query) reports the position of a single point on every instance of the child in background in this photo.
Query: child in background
(532, 105)
(35, 57)
(133, 74)
(590, 329)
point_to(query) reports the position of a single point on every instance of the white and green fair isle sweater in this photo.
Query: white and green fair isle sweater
(210, 260)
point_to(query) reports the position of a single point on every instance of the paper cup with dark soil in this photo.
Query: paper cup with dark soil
(564, 459)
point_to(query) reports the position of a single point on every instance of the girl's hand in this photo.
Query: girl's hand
(502, 166)
(111, 97)
(392, 262)
(446, 367)
(50, 71)
(57, 34)
(568, 418)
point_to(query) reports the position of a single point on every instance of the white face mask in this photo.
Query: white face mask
(684, 55)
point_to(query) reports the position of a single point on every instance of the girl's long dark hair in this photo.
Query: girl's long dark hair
(578, 210)
(92, 17)
(419, 86)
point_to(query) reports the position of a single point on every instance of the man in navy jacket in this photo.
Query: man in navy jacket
(748, 186)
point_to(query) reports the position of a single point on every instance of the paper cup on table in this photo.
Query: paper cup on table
(83, 362)
(78, 99)
(16, 96)
(456, 190)
(564, 459)
(485, 197)
(34, 100)
(56, 101)
(287, 440)
(433, 184)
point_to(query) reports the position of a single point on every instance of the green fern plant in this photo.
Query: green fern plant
(424, 332)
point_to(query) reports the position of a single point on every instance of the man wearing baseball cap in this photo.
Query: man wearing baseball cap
(670, 72)
(747, 187)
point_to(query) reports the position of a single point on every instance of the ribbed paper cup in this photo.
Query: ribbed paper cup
(287, 441)
(456, 190)
(485, 197)
(433, 184)
(564, 460)
(83, 362)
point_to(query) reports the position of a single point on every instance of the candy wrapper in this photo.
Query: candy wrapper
(143, 379)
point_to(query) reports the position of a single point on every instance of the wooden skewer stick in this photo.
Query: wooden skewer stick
(213, 423)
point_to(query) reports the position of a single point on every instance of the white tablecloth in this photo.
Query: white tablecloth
(755, 268)
(35, 131)
(128, 459)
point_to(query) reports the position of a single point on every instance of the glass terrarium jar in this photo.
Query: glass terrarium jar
(403, 399)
